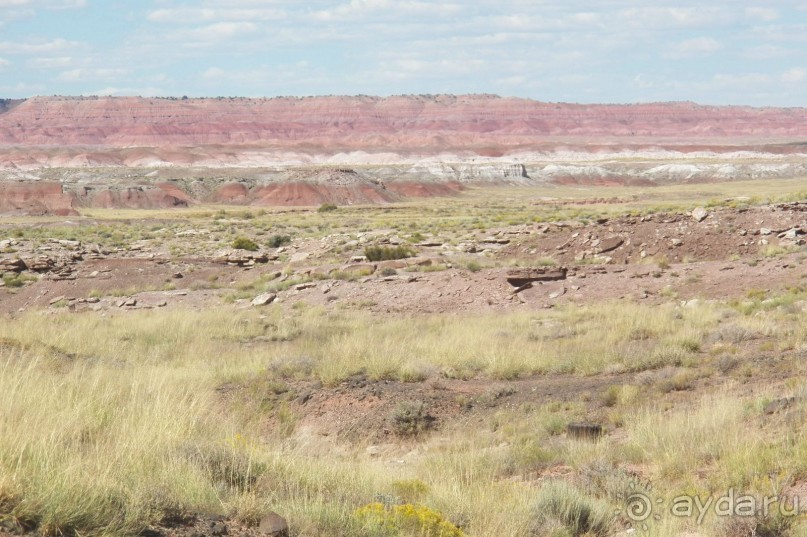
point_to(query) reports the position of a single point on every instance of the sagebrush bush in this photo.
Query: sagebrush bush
(279, 240)
(560, 503)
(326, 208)
(411, 418)
(387, 253)
(243, 243)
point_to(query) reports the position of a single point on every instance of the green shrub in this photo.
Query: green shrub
(13, 281)
(561, 504)
(279, 240)
(410, 489)
(387, 253)
(327, 208)
(243, 243)
(411, 418)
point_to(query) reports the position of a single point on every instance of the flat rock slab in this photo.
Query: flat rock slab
(609, 243)
(522, 276)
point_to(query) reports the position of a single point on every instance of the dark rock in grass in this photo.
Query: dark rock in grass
(274, 525)
(779, 404)
(584, 431)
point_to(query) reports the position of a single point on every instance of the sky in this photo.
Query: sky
(609, 51)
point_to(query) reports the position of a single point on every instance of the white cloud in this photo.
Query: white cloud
(765, 52)
(672, 17)
(389, 10)
(762, 14)
(748, 80)
(55, 62)
(38, 47)
(46, 4)
(212, 33)
(187, 15)
(96, 74)
(132, 91)
(796, 74)
(698, 46)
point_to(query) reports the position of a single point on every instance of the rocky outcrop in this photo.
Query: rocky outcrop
(524, 276)
(35, 198)
(158, 196)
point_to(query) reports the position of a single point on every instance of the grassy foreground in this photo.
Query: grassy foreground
(109, 423)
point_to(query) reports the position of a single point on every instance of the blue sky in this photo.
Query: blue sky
(730, 52)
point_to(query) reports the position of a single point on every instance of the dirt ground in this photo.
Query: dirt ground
(715, 254)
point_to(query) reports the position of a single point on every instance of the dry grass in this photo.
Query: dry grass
(109, 422)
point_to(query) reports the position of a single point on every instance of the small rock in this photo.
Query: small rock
(299, 256)
(264, 299)
(218, 528)
(304, 286)
(358, 268)
(610, 243)
(699, 214)
(55, 300)
(790, 234)
(765, 231)
(559, 293)
(177, 275)
(778, 404)
(274, 525)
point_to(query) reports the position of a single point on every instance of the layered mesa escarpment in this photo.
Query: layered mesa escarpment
(373, 150)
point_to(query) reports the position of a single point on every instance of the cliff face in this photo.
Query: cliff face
(422, 124)
(42, 198)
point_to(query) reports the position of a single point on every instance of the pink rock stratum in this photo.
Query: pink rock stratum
(322, 149)
(421, 124)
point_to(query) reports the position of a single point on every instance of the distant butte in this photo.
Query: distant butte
(484, 124)
(348, 150)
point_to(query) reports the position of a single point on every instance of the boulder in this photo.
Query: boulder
(274, 525)
(395, 264)
(12, 265)
(610, 243)
(699, 214)
(791, 234)
(40, 263)
(779, 404)
(264, 299)
(240, 258)
(299, 256)
(521, 276)
(358, 268)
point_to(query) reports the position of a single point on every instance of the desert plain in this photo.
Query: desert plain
(428, 315)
